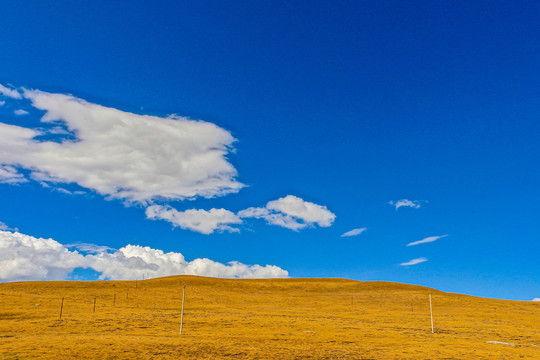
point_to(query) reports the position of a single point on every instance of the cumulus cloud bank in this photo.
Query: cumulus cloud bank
(291, 212)
(24, 257)
(132, 261)
(426, 240)
(415, 204)
(205, 222)
(137, 158)
(414, 261)
(354, 232)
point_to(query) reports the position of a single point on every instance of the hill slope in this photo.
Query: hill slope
(259, 319)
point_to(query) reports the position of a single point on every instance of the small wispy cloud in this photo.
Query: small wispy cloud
(414, 261)
(4, 227)
(12, 93)
(10, 175)
(354, 232)
(58, 130)
(90, 248)
(426, 240)
(63, 191)
(415, 204)
(20, 112)
(2, 103)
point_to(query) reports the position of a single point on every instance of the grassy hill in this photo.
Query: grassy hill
(259, 319)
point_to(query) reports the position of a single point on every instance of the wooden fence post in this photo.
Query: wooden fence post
(61, 308)
(431, 312)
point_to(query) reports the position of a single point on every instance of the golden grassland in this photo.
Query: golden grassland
(259, 319)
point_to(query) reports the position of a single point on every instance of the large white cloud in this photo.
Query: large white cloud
(138, 158)
(292, 213)
(203, 221)
(24, 257)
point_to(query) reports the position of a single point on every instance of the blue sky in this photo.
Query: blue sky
(325, 111)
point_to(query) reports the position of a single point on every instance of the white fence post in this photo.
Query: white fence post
(182, 314)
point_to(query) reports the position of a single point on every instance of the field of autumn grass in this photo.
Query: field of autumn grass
(259, 319)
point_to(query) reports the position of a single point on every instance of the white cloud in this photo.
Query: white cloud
(426, 240)
(536, 299)
(415, 204)
(137, 158)
(57, 130)
(20, 112)
(414, 262)
(2, 103)
(203, 221)
(354, 232)
(307, 211)
(10, 175)
(273, 218)
(132, 261)
(12, 93)
(24, 257)
(292, 213)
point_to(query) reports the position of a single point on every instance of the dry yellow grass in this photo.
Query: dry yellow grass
(259, 319)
